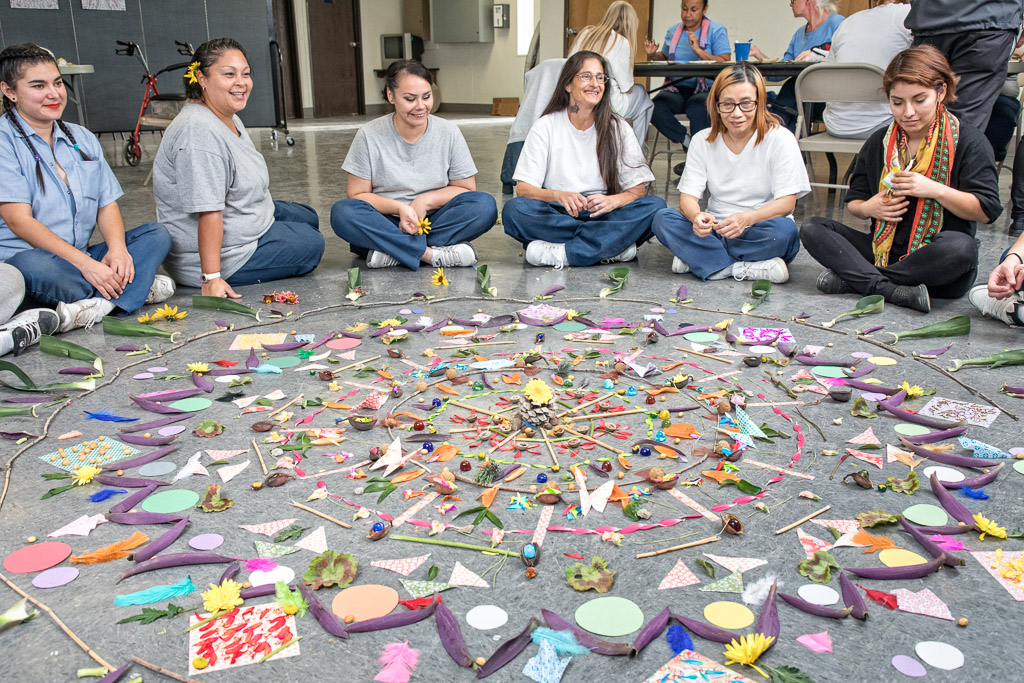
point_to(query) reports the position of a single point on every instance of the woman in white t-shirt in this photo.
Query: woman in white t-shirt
(581, 177)
(753, 171)
(613, 39)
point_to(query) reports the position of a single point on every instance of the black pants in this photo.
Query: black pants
(947, 265)
(1017, 186)
(979, 59)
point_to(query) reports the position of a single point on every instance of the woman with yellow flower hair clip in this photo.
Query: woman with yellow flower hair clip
(212, 187)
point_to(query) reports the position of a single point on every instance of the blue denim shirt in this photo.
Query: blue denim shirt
(68, 209)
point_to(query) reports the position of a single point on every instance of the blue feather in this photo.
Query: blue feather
(978, 494)
(156, 593)
(564, 642)
(678, 639)
(108, 417)
(101, 496)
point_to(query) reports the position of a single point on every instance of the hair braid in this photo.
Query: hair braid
(67, 131)
(39, 165)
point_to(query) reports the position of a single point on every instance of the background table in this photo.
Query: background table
(710, 70)
(77, 94)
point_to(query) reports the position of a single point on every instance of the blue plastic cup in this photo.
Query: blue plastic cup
(742, 52)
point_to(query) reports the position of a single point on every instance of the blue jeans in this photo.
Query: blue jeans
(465, 217)
(762, 241)
(50, 280)
(292, 246)
(668, 104)
(587, 240)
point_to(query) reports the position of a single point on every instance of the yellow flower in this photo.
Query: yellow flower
(987, 526)
(169, 312)
(748, 650)
(222, 598)
(439, 278)
(570, 314)
(146, 318)
(912, 391)
(190, 73)
(394, 322)
(84, 475)
(198, 367)
(724, 324)
(538, 392)
(424, 226)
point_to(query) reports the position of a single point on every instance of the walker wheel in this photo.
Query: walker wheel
(130, 155)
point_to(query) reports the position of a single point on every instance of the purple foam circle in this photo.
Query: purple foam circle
(418, 311)
(171, 430)
(143, 375)
(405, 311)
(861, 354)
(868, 396)
(157, 368)
(206, 541)
(908, 666)
(55, 577)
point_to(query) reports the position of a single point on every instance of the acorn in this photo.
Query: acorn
(620, 366)
(724, 406)
(421, 386)
(451, 373)
(520, 363)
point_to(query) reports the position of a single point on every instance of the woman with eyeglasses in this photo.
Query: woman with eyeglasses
(753, 172)
(581, 195)
(923, 182)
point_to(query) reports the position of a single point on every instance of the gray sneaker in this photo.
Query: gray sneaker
(380, 259)
(679, 266)
(84, 313)
(453, 256)
(161, 291)
(628, 255)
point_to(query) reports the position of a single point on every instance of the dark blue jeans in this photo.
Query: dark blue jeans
(668, 104)
(762, 241)
(50, 280)
(293, 246)
(587, 240)
(464, 218)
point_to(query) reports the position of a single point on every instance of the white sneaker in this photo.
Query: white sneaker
(453, 256)
(678, 266)
(540, 253)
(628, 255)
(380, 259)
(773, 270)
(161, 291)
(1009, 310)
(83, 313)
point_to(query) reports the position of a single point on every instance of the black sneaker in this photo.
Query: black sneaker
(830, 283)
(915, 298)
(678, 168)
(28, 326)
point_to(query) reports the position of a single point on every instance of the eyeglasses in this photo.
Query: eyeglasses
(586, 77)
(729, 107)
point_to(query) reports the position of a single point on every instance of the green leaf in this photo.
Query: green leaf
(907, 485)
(53, 492)
(708, 567)
(119, 327)
(56, 475)
(818, 568)
(483, 278)
(294, 532)
(355, 282)
(595, 577)
(869, 305)
(149, 614)
(216, 303)
(787, 674)
(759, 290)
(836, 533)
(212, 502)
(954, 327)
(876, 518)
(285, 596)
(632, 509)
(996, 360)
(493, 518)
(860, 408)
(330, 569)
(391, 488)
(619, 276)
(239, 382)
(744, 486)
(432, 572)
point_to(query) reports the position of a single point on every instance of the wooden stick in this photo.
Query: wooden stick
(802, 520)
(358, 362)
(776, 403)
(590, 403)
(504, 441)
(592, 439)
(705, 355)
(598, 415)
(470, 346)
(260, 456)
(881, 345)
(590, 341)
(474, 408)
(286, 405)
(71, 634)
(162, 671)
(703, 541)
(320, 514)
(968, 387)
(551, 449)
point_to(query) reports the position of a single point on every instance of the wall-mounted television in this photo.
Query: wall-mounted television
(396, 46)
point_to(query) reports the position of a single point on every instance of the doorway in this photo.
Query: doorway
(581, 13)
(334, 42)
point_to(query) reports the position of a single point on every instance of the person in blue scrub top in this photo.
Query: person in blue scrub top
(694, 38)
(822, 21)
(55, 190)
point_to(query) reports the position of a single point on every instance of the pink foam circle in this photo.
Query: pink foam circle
(206, 541)
(861, 354)
(908, 666)
(171, 430)
(55, 577)
(143, 375)
(869, 396)
(37, 557)
(156, 368)
(343, 344)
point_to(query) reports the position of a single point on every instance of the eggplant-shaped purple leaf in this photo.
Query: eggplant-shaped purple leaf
(322, 340)
(325, 617)
(873, 388)
(147, 440)
(653, 629)
(161, 542)
(115, 675)
(914, 571)
(907, 416)
(137, 518)
(807, 359)
(508, 650)
(127, 482)
(552, 289)
(175, 560)
(154, 407)
(76, 371)
(451, 636)
(585, 638)
(852, 598)
(168, 396)
(286, 346)
(951, 530)
(252, 361)
(950, 504)
(140, 460)
(816, 610)
(133, 500)
(257, 591)
(935, 437)
(860, 372)
(946, 458)
(231, 572)
(978, 481)
(202, 383)
(931, 546)
(705, 630)
(768, 620)
(155, 424)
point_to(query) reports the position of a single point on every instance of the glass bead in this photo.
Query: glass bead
(542, 478)
(645, 451)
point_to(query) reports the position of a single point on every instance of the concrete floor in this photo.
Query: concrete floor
(310, 172)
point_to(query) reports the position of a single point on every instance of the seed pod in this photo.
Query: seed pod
(723, 406)
(752, 361)
(276, 479)
(731, 524)
(262, 426)
(421, 386)
(860, 479)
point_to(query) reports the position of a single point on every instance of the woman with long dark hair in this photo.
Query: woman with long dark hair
(581, 195)
(55, 190)
(212, 187)
(923, 182)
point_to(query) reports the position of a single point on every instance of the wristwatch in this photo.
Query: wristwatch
(206, 277)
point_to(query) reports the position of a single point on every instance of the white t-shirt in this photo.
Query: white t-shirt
(556, 156)
(873, 36)
(616, 52)
(761, 173)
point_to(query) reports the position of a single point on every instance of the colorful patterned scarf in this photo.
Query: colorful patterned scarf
(934, 159)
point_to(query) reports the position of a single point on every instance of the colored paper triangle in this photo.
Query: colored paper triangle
(404, 566)
(811, 544)
(746, 424)
(315, 542)
(464, 577)
(729, 584)
(845, 526)
(422, 589)
(268, 528)
(736, 564)
(265, 549)
(231, 471)
(679, 576)
(923, 602)
(875, 460)
(866, 438)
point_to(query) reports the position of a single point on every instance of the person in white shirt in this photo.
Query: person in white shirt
(614, 38)
(872, 36)
(581, 177)
(753, 171)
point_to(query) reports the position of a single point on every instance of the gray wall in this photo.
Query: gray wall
(113, 94)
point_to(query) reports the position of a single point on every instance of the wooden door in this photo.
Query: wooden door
(581, 13)
(337, 57)
(284, 34)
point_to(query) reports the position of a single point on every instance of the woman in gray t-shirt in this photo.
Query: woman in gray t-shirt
(411, 189)
(212, 188)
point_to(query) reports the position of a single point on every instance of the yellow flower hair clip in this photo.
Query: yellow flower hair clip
(190, 73)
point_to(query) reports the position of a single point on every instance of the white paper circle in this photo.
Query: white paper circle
(818, 594)
(496, 364)
(486, 617)
(763, 349)
(940, 655)
(944, 474)
(279, 573)
(225, 379)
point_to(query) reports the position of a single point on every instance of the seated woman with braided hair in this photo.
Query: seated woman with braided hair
(55, 190)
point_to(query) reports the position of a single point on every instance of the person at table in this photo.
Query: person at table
(694, 38)
(56, 189)
(923, 182)
(752, 169)
(871, 36)
(212, 187)
(1002, 297)
(581, 196)
(408, 169)
(822, 21)
(613, 39)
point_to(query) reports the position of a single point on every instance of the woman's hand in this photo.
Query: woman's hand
(694, 42)
(733, 226)
(804, 56)
(910, 184)
(121, 262)
(219, 287)
(598, 204)
(102, 277)
(651, 48)
(1006, 279)
(756, 53)
(882, 209)
(573, 202)
(703, 224)
(408, 219)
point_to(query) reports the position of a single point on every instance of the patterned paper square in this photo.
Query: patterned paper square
(244, 342)
(242, 637)
(956, 411)
(99, 451)
(987, 560)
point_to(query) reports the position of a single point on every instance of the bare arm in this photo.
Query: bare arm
(435, 199)
(733, 226)
(211, 239)
(964, 204)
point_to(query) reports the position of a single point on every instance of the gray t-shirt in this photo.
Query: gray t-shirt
(402, 170)
(202, 166)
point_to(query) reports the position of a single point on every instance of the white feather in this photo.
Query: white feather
(757, 592)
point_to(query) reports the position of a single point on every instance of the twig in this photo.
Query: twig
(812, 423)
(592, 439)
(504, 441)
(473, 408)
(352, 365)
(453, 544)
(948, 374)
(162, 671)
(703, 541)
(551, 449)
(286, 405)
(320, 514)
(8, 465)
(819, 327)
(580, 407)
(614, 414)
(802, 520)
(881, 345)
(260, 456)
(716, 310)
(469, 346)
(704, 355)
(780, 385)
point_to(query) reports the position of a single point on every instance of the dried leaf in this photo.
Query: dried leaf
(708, 567)
(860, 408)
(818, 568)
(876, 517)
(596, 577)
(907, 485)
(330, 569)
(406, 476)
